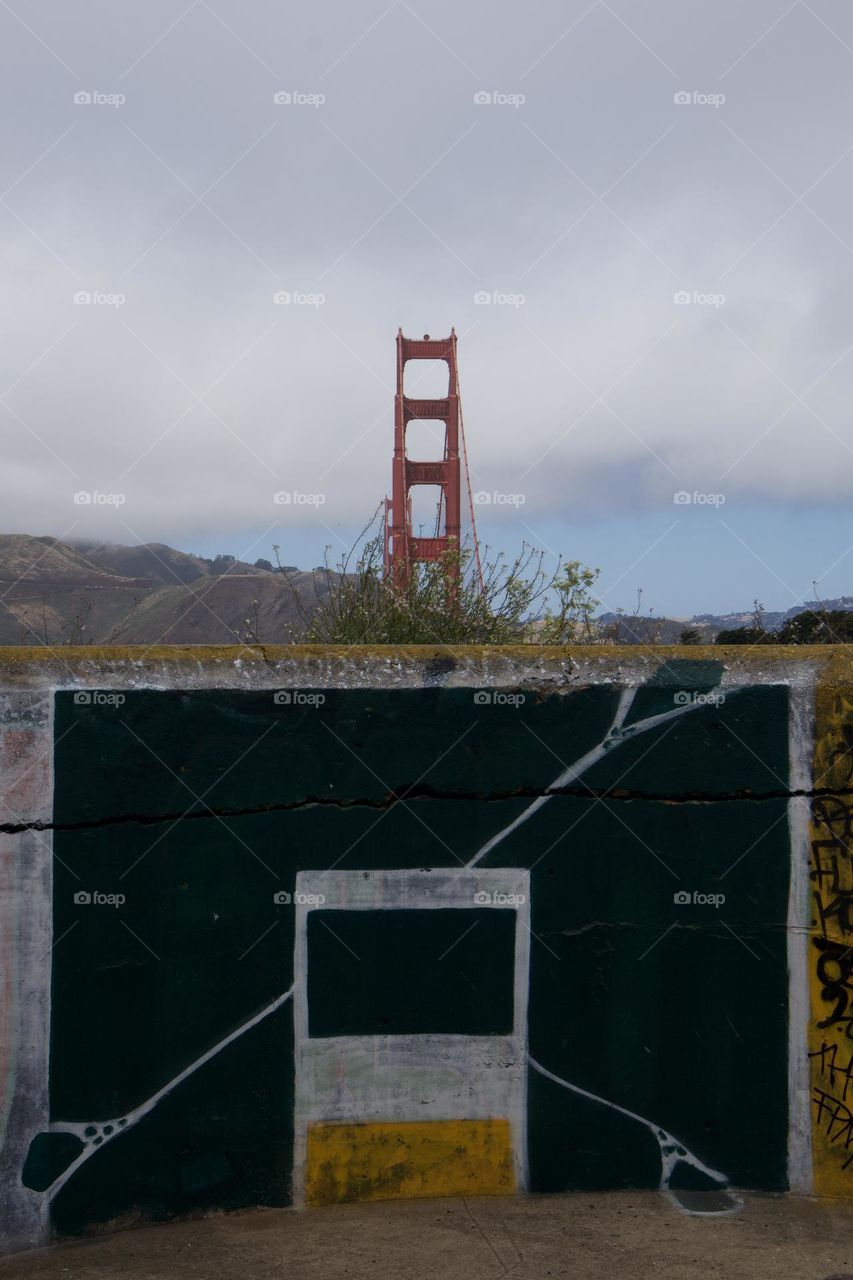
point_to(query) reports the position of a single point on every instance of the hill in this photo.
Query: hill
(625, 628)
(52, 592)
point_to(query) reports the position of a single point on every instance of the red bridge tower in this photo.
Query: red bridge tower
(402, 548)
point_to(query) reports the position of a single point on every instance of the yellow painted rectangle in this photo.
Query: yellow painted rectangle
(349, 1162)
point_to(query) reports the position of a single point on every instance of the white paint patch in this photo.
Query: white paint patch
(800, 752)
(360, 1079)
(26, 935)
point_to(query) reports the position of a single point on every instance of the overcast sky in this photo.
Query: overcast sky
(582, 200)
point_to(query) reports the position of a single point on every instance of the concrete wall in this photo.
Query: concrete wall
(307, 925)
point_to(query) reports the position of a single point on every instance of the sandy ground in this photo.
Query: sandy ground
(619, 1234)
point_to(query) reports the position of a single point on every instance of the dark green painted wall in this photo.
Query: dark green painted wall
(200, 807)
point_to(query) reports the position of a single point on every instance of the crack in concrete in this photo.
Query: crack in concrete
(702, 926)
(407, 795)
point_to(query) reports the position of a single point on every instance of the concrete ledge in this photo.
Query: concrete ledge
(388, 666)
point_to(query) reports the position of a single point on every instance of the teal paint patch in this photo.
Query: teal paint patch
(49, 1155)
(576, 1144)
(411, 972)
(199, 808)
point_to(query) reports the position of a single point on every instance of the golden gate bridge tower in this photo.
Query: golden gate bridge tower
(402, 547)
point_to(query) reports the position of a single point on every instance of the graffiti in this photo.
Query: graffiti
(840, 1076)
(842, 754)
(834, 969)
(839, 1121)
(831, 876)
(834, 1116)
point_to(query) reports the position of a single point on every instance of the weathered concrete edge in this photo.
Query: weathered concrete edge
(385, 666)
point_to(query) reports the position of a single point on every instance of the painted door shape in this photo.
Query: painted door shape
(402, 1088)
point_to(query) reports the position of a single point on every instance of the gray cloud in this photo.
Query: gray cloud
(397, 200)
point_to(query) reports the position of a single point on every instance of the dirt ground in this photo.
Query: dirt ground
(618, 1234)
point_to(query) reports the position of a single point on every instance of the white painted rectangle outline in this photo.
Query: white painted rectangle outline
(457, 1076)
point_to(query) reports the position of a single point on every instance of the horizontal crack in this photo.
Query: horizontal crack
(405, 795)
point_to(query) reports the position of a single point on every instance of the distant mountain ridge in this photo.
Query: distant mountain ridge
(157, 561)
(88, 592)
